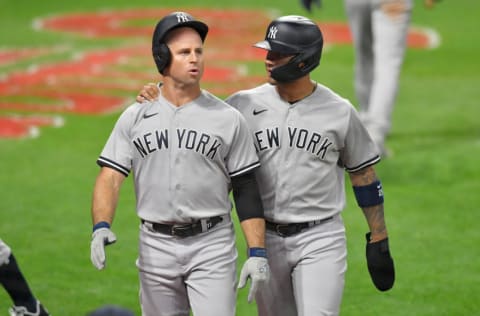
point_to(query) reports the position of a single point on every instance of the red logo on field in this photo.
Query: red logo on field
(107, 79)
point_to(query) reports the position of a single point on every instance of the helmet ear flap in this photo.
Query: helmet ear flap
(162, 56)
(299, 66)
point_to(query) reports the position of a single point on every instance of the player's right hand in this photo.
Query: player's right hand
(100, 238)
(149, 92)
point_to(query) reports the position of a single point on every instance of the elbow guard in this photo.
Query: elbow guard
(369, 195)
(247, 197)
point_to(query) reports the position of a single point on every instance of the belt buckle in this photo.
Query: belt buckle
(278, 228)
(212, 222)
(180, 230)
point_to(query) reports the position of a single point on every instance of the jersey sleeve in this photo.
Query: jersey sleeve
(117, 152)
(242, 156)
(360, 150)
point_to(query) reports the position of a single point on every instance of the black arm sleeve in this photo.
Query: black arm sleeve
(246, 196)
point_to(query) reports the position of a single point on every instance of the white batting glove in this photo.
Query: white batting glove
(257, 269)
(101, 237)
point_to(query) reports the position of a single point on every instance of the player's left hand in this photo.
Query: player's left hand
(380, 264)
(257, 269)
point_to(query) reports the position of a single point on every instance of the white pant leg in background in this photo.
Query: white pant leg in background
(389, 47)
(359, 13)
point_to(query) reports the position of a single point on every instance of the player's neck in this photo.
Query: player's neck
(296, 90)
(179, 95)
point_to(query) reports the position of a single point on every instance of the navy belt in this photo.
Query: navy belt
(286, 230)
(185, 230)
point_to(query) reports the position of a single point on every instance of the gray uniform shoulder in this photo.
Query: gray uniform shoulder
(213, 101)
(136, 111)
(255, 93)
(330, 96)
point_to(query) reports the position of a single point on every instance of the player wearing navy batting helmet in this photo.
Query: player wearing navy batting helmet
(187, 150)
(306, 135)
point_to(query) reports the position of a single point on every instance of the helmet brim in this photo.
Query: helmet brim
(276, 47)
(263, 45)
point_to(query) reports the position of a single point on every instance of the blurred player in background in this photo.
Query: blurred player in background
(17, 287)
(379, 29)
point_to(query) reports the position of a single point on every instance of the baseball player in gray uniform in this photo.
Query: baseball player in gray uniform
(186, 151)
(306, 136)
(379, 29)
(12, 279)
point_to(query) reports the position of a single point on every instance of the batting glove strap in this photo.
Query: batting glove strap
(257, 269)
(101, 225)
(257, 252)
(100, 238)
(380, 264)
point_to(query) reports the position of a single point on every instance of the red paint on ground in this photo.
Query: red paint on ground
(94, 82)
(21, 127)
(11, 56)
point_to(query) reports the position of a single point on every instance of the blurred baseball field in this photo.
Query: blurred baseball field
(67, 69)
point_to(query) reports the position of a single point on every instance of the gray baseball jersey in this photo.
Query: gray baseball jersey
(182, 158)
(304, 148)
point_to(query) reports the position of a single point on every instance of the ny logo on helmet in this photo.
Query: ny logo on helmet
(182, 17)
(272, 33)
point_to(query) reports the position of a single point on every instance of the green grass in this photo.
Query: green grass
(431, 183)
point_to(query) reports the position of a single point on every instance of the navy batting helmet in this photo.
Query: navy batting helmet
(294, 35)
(160, 51)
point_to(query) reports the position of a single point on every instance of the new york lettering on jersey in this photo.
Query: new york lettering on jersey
(188, 139)
(299, 138)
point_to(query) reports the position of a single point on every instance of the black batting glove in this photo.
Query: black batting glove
(380, 264)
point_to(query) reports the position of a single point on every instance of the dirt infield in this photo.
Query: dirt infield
(98, 81)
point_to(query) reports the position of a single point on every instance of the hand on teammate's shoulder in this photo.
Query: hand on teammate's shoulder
(149, 93)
